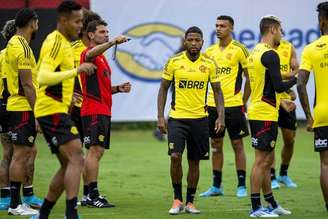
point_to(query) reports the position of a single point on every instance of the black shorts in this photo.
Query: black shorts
(235, 122)
(22, 128)
(4, 117)
(58, 129)
(321, 138)
(194, 132)
(76, 118)
(96, 129)
(286, 119)
(264, 134)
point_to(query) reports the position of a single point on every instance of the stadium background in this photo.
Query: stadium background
(156, 27)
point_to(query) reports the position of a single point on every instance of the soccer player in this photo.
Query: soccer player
(8, 31)
(286, 120)
(19, 66)
(314, 58)
(230, 57)
(96, 106)
(189, 73)
(78, 47)
(56, 75)
(266, 86)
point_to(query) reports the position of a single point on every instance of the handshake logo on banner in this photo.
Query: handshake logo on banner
(153, 44)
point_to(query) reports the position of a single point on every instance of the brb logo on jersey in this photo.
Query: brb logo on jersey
(152, 45)
(191, 84)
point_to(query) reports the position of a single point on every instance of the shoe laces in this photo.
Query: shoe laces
(176, 203)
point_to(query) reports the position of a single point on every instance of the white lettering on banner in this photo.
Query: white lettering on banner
(156, 28)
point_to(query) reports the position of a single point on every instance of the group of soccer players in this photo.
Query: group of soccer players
(207, 99)
(66, 95)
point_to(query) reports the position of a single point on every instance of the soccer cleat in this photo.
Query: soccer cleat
(212, 191)
(190, 208)
(241, 192)
(262, 212)
(23, 210)
(33, 201)
(83, 201)
(287, 181)
(279, 210)
(177, 207)
(4, 203)
(275, 184)
(99, 202)
(37, 216)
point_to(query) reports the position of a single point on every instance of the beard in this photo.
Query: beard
(33, 35)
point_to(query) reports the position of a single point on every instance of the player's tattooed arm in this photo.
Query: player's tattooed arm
(161, 100)
(302, 79)
(219, 103)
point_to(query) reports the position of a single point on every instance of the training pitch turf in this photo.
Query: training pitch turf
(135, 176)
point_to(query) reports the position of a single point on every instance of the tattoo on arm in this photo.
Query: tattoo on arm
(303, 77)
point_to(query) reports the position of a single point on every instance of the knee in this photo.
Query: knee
(96, 152)
(34, 151)
(237, 145)
(175, 158)
(289, 143)
(21, 155)
(217, 146)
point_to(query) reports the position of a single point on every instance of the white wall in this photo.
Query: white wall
(141, 59)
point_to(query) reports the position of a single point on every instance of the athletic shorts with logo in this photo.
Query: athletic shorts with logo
(235, 122)
(286, 119)
(321, 138)
(96, 129)
(4, 117)
(191, 132)
(58, 129)
(22, 128)
(264, 134)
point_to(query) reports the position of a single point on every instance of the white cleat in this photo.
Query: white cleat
(177, 207)
(190, 208)
(262, 212)
(279, 210)
(23, 210)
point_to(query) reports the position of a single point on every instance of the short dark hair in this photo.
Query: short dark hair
(226, 17)
(322, 8)
(66, 7)
(267, 22)
(9, 30)
(92, 26)
(89, 16)
(24, 16)
(194, 29)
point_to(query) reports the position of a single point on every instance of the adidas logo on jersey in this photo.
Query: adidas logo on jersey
(255, 141)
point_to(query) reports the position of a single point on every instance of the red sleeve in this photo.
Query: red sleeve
(83, 54)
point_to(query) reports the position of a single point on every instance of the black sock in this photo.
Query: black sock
(46, 207)
(273, 174)
(71, 208)
(283, 169)
(85, 190)
(327, 206)
(93, 190)
(177, 191)
(190, 195)
(217, 178)
(28, 191)
(241, 174)
(5, 192)
(15, 198)
(270, 199)
(256, 201)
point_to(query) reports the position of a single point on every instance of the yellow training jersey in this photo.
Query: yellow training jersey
(265, 102)
(2, 75)
(56, 55)
(284, 51)
(231, 61)
(18, 56)
(315, 58)
(190, 84)
(78, 48)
